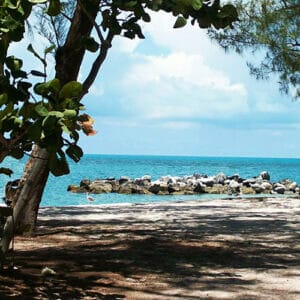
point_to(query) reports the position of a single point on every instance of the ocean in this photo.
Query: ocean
(103, 166)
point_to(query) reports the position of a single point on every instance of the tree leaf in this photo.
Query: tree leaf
(70, 90)
(31, 49)
(17, 153)
(180, 22)
(58, 165)
(197, 4)
(37, 73)
(3, 99)
(49, 49)
(74, 152)
(90, 44)
(54, 8)
(70, 113)
(41, 110)
(6, 171)
(15, 65)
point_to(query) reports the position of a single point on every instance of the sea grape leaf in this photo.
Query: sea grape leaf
(180, 22)
(70, 90)
(54, 8)
(6, 171)
(70, 113)
(38, 73)
(74, 152)
(58, 165)
(41, 110)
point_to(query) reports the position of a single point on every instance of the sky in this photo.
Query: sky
(178, 93)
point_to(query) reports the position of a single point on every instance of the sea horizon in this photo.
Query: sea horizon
(195, 156)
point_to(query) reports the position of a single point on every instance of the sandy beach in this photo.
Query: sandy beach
(212, 249)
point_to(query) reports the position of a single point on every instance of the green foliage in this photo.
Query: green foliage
(274, 27)
(6, 171)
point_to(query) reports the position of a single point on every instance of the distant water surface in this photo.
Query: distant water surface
(102, 166)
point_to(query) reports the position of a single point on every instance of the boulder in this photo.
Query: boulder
(209, 181)
(279, 189)
(235, 177)
(266, 186)
(131, 188)
(233, 187)
(174, 188)
(73, 188)
(99, 187)
(249, 182)
(146, 177)
(220, 178)
(142, 182)
(161, 187)
(264, 175)
(199, 188)
(85, 183)
(216, 189)
(247, 190)
(258, 188)
(293, 186)
(234, 184)
(124, 179)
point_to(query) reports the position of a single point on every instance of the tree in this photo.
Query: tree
(46, 116)
(274, 27)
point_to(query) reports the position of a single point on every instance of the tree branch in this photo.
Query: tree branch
(97, 64)
(92, 20)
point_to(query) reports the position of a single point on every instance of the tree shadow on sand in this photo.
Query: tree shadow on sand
(113, 257)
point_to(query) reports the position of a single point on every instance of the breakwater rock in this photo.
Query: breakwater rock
(188, 185)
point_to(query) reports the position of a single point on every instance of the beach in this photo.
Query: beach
(210, 249)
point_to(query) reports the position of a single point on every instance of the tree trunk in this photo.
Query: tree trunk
(28, 197)
(68, 62)
(28, 217)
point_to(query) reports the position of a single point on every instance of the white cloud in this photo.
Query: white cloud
(181, 85)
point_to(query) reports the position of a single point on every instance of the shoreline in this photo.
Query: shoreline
(164, 202)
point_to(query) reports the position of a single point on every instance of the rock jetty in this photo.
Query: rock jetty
(188, 185)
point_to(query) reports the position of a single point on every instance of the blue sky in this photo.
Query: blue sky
(177, 93)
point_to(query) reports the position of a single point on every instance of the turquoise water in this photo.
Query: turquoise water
(102, 166)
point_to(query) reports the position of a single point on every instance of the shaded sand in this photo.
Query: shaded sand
(215, 249)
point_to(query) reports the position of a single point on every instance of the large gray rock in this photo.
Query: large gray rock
(265, 175)
(99, 187)
(124, 179)
(76, 189)
(258, 188)
(84, 183)
(146, 177)
(293, 186)
(199, 188)
(279, 189)
(159, 188)
(220, 178)
(216, 189)
(131, 188)
(266, 186)
(209, 181)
